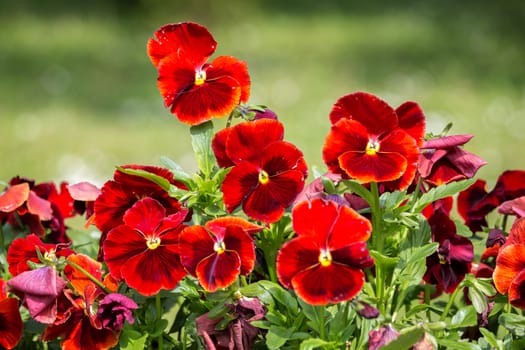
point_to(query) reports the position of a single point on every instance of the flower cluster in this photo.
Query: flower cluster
(395, 243)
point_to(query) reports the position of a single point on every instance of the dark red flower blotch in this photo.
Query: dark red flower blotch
(196, 91)
(144, 249)
(371, 142)
(219, 252)
(509, 274)
(324, 263)
(268, 173)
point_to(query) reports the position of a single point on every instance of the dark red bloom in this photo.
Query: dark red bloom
(79, 326)
(509, 274)
(115, 309)
(11, 325)
(119, 194)
(39, 290)
(447, 267)
(144, 249)
(324, 263)
(443, 160)
(218, 252)
(377, 338)
(196, 91)
(267, 174)
(473, 215)
(22, 250)
(370, 142)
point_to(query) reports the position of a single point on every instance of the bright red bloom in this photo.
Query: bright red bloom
(144, 249)
(509, 274)
(11, 325)
(22, 250)
(78, 280)
(218, 252)
(196, 91)
(370, 142)
(447, 267)
(119, 194)
(324, 263)
(443, 160)
(267, 173)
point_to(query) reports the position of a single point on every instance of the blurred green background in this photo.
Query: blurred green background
(78, 94)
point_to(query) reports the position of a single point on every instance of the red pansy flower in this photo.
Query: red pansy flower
(473, 215)
(119, 194)
(22, 250)
(218, 252)
(195, 90)
(144, 249)
(509, 274)
(513, 207)
(324, 263)
(447, 267)
(77, 279)
(11, 325)
(267, 173)
(370, 142)
(443, 160)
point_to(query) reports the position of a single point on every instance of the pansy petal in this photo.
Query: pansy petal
(84, 191)
(14, 197)
(120, 244)
(513, 207)
(246, 140)
(195, 244)
(176, 77)
(331, 284)
(237, 240)
(509, 264)
(154, 269)
(517, 291)
(219, 225)
(145, 215)
(314, 218)
(379, 167)
(219, 148)
(39, 206)
(11, 324)
(375, 114)
(412, 119)
(296, 255)
(349, 227)
(78, 279)
(218, 270)
(237, 69)
(355, 255)
(448, 141)
(238, 183)
(517, 233)
(184, 39)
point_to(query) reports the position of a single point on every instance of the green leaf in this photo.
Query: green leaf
(457, 345)
(478, 300)
(313, 343)
(201, 137)
(159, 180)
(387, 262)
(465, 317)
(420, 253)
(514, 323)
(405, 341)
(277, 337)
(281, 295)
(360, 190)
(441, 192)
(130, 339)
(490, 338)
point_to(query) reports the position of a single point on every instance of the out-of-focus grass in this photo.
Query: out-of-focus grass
(78, 93)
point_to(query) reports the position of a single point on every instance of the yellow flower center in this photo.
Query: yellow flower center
(263, 177)
(325, 258)
(153, 243)
(219, 247)
(372, 147)
(200, 77)
(50, 255)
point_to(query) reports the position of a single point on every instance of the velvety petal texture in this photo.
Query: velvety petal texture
(369, 143)
(144, 250)
(267, 173)
(217, 253)
(324, 263)
(194, 90)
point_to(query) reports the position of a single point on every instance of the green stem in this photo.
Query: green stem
(158, 306)
(427, 299)
(322, 322)
(90, 276)
(449, 304)
(377, 234)
(415, 194)
(504, 223)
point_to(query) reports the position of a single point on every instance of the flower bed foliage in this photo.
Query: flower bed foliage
(395, 245)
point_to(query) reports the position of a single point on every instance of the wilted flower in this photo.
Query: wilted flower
(115, 309)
